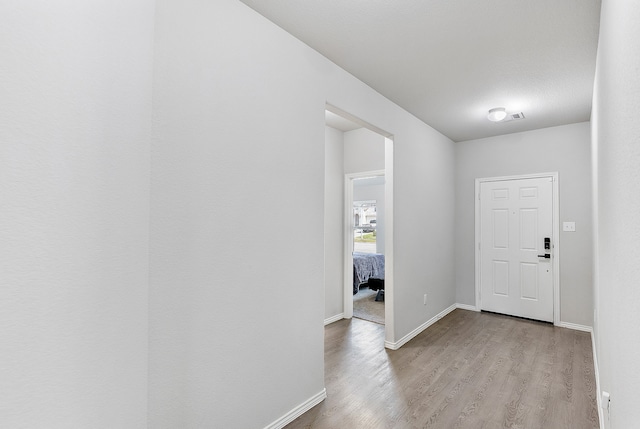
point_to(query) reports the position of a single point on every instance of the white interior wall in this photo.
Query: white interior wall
(333, 222)
(237, 299)
(75, 120)
(239, 123)
(423, 227)
(565, 149)
(363, 151)
(616, 155)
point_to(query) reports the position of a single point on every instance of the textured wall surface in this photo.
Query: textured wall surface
(75, 120)
(363, 151)
(616, 150)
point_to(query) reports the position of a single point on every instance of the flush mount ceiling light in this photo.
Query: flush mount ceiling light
(497, 114)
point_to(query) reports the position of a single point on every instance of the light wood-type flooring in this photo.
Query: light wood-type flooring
(468, 370)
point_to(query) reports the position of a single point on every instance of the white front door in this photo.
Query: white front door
(516, 217)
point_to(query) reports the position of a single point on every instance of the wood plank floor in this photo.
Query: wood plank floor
(468, 370)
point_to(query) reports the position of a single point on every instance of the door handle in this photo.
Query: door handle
(546, 255)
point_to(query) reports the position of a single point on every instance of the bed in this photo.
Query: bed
(366, 266)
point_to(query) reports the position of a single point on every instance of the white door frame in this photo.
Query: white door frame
(555, 244)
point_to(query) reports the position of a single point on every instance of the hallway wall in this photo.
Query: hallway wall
(616, 161)
(236, 300)
(565, 149)
(75, 129)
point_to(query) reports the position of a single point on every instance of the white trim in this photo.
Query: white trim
(402, 341)
(597, 377)
(467, 307)
(556, 236)
(299, 410)
(389, 273)
(346, 115)
(333, 319)
(575, 327)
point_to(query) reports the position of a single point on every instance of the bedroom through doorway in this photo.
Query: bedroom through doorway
(357, 155)
(368, 251)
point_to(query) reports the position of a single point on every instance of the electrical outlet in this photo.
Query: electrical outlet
(425, 299)
(569, 226)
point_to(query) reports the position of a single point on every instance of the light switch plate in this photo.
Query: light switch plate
(569, 226)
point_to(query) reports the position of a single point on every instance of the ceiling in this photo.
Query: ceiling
(449, 61)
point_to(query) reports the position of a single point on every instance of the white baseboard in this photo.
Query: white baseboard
(299, 410)
(597, 376)
(467, 307)
(402, 341)
(333, 319)
(575, 327)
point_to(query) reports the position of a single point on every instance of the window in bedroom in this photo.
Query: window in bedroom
(364, 229)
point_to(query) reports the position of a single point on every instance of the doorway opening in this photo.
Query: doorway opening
(368, 251)
(367, 227)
